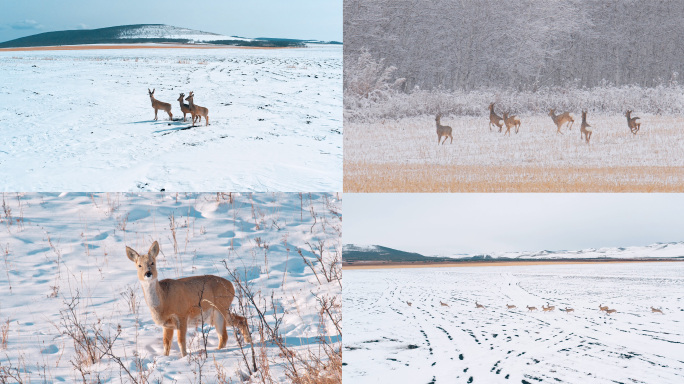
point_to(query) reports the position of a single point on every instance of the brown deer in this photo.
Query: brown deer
(510, 306)
(197, 111)
(494, 118)
(511, 121)
(185, 108)
(409, 303)
(602, 308)
(531, 308)
(585, 128)
(157, 105)
(443, 304)
(632, 122)
(175, 303)
(479, 305)
(609, 311)
(442, 130)
(548, 308)
(654, 310)
(561, 119)
(567, 310)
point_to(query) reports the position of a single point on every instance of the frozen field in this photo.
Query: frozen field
(83, 121)
(403, 155)
(390, 341)
(59, 247)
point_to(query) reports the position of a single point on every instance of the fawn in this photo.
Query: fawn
(197, 111)
(443, 304)
(585, 129)
(479, 305)
(654, 310)
(632, 122)
(494, 118)
(561, 119)
(531, 308)
(443, 130)
(157, 105)
(511, 306)
(175, 303)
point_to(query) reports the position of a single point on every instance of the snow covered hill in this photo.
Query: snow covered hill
(145, 33)
(673, 250)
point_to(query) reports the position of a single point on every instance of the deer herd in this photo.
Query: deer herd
(196, 112)
(512, 121)
(549, 308)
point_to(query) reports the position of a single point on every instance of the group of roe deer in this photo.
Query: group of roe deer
(549, 308)
(512, 121)
(195, 111)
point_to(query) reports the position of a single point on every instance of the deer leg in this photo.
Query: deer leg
(155, 114)
(168, 338)
(220, 325)
(182, 330)
(452, 139)
(170, 115)
(206, 120)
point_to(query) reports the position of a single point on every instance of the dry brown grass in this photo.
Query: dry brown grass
(367, 178)
(403, 156)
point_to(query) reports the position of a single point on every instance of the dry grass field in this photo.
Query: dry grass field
(403, 156)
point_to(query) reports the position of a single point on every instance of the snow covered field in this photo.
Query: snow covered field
(59, 247)
(275, 115)
(403, 155)
(389, 341)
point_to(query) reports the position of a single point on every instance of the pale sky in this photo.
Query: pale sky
(434, 224)
(294, 19)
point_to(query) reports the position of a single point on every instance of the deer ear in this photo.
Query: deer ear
(154, 250)
(132, 255)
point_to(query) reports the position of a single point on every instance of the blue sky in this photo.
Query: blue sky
(296, 19)
(472, 223)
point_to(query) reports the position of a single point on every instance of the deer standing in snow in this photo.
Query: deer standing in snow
(585, 128)
(157, 105)
(632, 122)
(494, 118)
(197, 111)
(176, 303)
(443, 130)
(185, 108)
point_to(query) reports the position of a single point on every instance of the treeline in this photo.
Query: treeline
(520, 44)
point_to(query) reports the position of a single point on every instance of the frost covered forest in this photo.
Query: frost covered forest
(605, 56)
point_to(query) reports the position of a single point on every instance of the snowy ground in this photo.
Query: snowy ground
(55, 247)
(275, 114)
(389, 341)
(388, 155)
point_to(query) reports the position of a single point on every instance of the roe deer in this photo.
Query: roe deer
(185, 108)
(567, 310)
(609, 311)
(175, 303)
(196, 110)
(531, 308)
(510, 306)
(494, 118)
(561, 119)
(443, 130)
(443, 304)
(632, 122)
(511, 121)
(585, 129)
(602, 308)
(654, 310)
(548, 307)
(157, 105)
(479, 305)
(409, 303)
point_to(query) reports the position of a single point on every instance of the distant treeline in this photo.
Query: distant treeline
(520, 44)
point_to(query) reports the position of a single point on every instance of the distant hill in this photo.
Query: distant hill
(146, 33)
(352, 253)
(359, 254)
